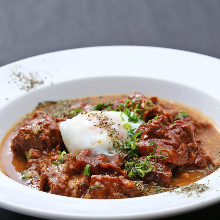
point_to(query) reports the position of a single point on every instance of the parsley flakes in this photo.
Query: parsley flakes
(181, 115)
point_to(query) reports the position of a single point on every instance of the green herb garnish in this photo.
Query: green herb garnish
(149, 104)
(127, 126)
(127, 111)
(129, 103)
(99, 106)
(165, 150)
(130, 145)
(122, 118)
(28, 154)
(75, 112)
(96, 187)
(156, 117)
(152, 150)
(36, 129)
(132, 116)
(86, 171)
(138, 169)
(56, 115)
(135, 135)
(56, 162)
(180, 115)
(60, 159)
(120, 107)
(131, 110)
(135, 116)
(131, 132)
(26, 175)
(154, 145)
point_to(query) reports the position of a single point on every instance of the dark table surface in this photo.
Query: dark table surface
(30, 27)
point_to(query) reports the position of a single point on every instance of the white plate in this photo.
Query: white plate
(73, 73)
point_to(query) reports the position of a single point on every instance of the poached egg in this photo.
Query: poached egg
(96, 130)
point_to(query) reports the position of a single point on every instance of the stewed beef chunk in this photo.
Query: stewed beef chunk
(175, 141)
(108, 187)
(40, 133)
(54, 173)
(100, 163)
(161, 173)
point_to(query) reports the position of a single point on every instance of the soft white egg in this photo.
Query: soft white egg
(96, 130)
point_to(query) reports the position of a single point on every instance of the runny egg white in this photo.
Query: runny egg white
(96, 130)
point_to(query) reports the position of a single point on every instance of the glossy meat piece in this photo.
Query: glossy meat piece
(100, 163)
(40, 133)
(148, 105)
(161, 173)
(108, 187)
(151, 113)
(78, 186)
(182, 148)
(53, 178)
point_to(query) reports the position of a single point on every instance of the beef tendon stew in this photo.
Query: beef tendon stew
(110, 147)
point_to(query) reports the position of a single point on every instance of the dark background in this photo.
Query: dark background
(32, 27)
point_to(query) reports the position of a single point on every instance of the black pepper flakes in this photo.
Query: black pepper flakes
(25, 81)
(191, 189)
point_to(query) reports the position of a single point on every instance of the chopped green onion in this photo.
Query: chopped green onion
(127, 126)
(96, 187)
(131, 174)
(131, 132)
(87, 170)
(138, 168)
(140, 172)
(156, 117)
(130, 145)
(55, 115)
(127, 111)
(36, 129)
(152, 143)
(56, 162)
(26, 175)
(136, 135)
(60, 159)
(129, 103)
(75, 112)
(168, 152)
(122, 116)
(149, 169)
(149, 104)
(120, 107)
(137, 110)
(99, 106)
(180, 115)
(28, 154)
